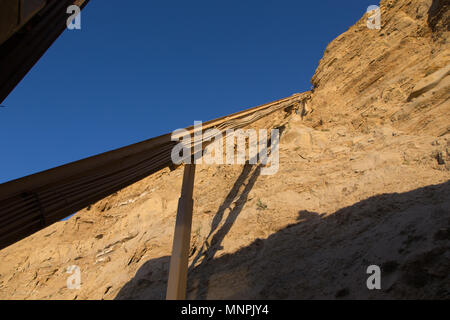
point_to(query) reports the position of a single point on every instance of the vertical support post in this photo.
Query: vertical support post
(176, 286)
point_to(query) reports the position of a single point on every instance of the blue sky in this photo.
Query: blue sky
(135, 72)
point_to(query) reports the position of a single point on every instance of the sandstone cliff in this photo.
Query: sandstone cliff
(363, 180)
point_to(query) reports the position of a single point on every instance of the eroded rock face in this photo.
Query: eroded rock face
(370, 77)
(363, 180)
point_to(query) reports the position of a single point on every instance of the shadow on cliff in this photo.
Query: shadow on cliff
(248, 177)
(151, 279)
(438, 15)
(326, 256)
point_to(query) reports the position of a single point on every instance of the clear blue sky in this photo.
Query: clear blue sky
(150, 67)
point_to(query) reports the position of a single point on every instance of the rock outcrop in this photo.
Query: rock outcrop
(395, 76)
(363, 180)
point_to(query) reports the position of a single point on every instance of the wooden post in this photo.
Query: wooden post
(176, 287)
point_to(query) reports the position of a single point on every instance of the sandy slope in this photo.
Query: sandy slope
(364, 179)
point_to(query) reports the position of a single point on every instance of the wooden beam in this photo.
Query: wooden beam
(176, 287)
